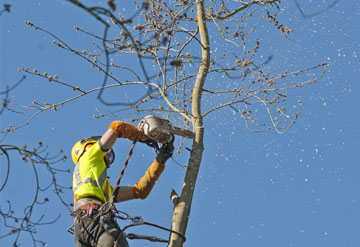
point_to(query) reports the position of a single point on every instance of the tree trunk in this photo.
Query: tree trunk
(182, 205)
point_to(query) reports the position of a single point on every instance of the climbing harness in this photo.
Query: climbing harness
(159, 131)
(135, 221)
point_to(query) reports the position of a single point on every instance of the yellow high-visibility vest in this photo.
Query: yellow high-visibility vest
(90, 175)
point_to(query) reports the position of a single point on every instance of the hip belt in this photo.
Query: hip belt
(82, 203)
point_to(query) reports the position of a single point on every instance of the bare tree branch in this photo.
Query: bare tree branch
(246, 6)
(315, 13)
(29, 221)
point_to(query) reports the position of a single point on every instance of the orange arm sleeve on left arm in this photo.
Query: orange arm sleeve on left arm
(124, 130)
(143, 188)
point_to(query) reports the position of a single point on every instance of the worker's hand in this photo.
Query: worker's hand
(166, 151)
(143, 137)
(150, 143)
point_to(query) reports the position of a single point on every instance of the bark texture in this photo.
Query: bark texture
(182, 204)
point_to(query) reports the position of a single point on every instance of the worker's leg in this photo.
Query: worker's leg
(86, 231)
(111, 238)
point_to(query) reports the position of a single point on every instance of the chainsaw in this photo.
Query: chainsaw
(157, 129)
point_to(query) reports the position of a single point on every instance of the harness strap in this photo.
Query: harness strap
(82, 202)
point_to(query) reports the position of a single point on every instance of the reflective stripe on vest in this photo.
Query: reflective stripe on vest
(97, 183)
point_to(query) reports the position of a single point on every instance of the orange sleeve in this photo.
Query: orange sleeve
(124, 130)
(143, 188)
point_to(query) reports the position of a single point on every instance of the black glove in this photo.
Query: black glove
(166, 151)
(150, 143)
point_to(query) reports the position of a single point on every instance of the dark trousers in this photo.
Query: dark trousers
(98, 231)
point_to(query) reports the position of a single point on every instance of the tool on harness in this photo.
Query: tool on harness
(90, 209)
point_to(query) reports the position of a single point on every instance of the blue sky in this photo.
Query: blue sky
(254, 189)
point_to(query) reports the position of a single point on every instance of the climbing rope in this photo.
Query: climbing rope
(112, 200)
(110, 205)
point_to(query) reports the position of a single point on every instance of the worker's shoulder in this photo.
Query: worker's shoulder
(95, 151)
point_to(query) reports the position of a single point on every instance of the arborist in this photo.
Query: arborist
(92, 189)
